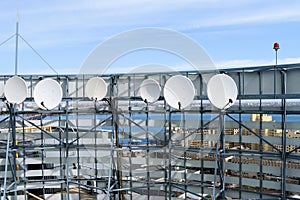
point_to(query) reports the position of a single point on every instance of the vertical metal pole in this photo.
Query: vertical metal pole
(202, 137)
(275, 80)
(17, 45)
(276, 57)
(261, 156)
(61, 163)
(67, 141)
(96, 152)
(201, 151)
(243, 83)
(6, 165)
(14, 146)
(111, 166)
(147, 153)
(240, 155)
(284, 144)
(170, 158)
(112, 142)
(116, 132)
(184, 155)
(219, 160)
(275, 74)
(130, 138)
(222, 152)
(23, 149)
(77, 136)
(215, 171)
(260, 137)
(119, 152)
(43, 162)
(12, 129)
(240, 137)
(166, 140)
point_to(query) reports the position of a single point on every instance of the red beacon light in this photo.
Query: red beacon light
(276, 46)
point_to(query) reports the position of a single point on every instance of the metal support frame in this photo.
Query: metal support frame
(117, 186)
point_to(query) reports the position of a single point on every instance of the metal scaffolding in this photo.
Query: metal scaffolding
(124, 148)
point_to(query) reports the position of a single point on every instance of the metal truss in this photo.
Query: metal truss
(124, 148)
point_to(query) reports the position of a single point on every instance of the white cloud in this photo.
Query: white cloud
(288, 61)
(253, 63)
(245, 12)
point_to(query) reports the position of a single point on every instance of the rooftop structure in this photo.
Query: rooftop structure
(123, 147)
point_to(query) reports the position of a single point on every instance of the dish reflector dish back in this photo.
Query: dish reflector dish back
(15, 90)
(179, 91)
(150, 90)
(47, 94)
(222, 91)
(96, 88)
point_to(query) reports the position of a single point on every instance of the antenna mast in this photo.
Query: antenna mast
(17, 43)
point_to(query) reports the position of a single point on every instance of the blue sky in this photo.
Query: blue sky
(234, 33)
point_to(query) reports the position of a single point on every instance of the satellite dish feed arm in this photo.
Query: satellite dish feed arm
(179, 105)
(43, 104)
(230, 101)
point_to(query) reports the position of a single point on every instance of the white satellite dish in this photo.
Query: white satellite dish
(15, 90)
(47, 94)
(150, 90)
(1, 88)
(179, 91)
(96, 88)
(222, 91)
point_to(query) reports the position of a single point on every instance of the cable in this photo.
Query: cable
(35, 51)
(8, 39)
